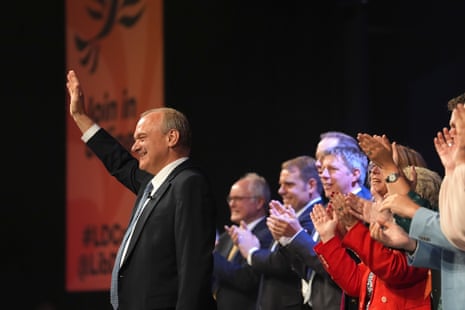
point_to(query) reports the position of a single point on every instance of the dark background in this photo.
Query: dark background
(259, 81)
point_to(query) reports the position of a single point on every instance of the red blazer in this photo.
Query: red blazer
(396, 285)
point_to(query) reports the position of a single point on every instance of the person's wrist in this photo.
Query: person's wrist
(413, 209)
(390, 168)
(326, 237)
(411, 246)
(293, 230)
(349, 226)
(298, 232)
(410, 208)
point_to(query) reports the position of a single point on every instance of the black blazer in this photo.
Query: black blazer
(280, 286)
(326, 295)
(235, 282)
(169, 260)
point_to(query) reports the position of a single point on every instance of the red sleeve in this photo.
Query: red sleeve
(388, 264)
(340, 266)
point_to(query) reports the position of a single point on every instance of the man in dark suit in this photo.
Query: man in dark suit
(320, 291)
(282, 274)
(235, 282)
(165, 260)
(344, 170)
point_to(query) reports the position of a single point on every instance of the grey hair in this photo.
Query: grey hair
(353, 158)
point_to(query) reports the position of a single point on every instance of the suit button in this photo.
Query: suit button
(384, 299)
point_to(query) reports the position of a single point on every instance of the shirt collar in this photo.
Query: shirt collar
(161, 176)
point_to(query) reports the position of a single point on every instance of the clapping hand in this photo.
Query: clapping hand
(282, 221)
(341, 206)
(399, 204)
(391, 235)
(243, 238)
(446, 148)
(377, 148)
(325, 222)
(360, 207)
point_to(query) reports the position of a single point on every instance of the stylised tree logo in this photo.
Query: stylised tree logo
(109, 13)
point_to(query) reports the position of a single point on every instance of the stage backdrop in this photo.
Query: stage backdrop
(116, 49)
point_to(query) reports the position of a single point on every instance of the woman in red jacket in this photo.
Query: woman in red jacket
(383, 279)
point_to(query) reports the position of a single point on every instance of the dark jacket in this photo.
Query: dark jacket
(280, 285)
(169, 260)
(235, 282)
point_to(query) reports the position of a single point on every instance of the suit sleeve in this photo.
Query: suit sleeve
(426, 255)
(302, 247)
(237, 273)
(279, 262)
(117, 160)
(342, 268)
(274, 263)
(240, 276)
(194, 230)
(426, 226)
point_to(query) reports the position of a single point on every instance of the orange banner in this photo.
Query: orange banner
(116, 49)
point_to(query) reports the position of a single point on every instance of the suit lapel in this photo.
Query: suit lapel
(151, 205)
(154, 201)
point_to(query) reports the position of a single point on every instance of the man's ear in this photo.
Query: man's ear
(173, 137)
(356, 173)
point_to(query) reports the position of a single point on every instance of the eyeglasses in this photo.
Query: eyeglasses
(230, 199)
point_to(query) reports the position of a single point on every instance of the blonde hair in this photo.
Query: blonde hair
(428, 184)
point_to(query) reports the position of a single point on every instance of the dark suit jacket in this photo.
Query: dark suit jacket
(280, 285)
(235, 283)
(169, 260)
(326, 295)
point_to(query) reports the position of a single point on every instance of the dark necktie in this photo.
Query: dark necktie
(119, 255)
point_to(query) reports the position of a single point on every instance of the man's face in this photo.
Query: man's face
(452, 123)
(150, 144)
(292, 189)
(324, 144)
(243, 205)
(336, 176)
